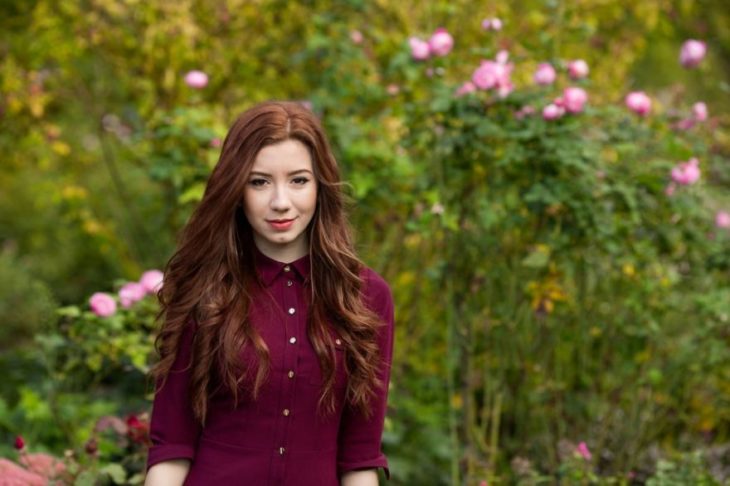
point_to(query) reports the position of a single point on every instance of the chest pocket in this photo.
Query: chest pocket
(313, 371)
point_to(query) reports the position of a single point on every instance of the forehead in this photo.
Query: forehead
(286, 156)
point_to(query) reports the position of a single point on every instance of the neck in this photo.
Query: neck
(283, 253)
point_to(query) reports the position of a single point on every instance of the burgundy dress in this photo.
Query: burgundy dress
(278, 439)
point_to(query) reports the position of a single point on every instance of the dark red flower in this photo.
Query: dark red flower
(19, 443)
(92, 446)
(138, 429)
(133, 422)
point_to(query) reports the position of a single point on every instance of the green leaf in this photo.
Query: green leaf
(537, 259)
(116, 472)
(86, 478)
(193, 193)
(69, 311)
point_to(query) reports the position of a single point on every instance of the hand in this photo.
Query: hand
(367, 477)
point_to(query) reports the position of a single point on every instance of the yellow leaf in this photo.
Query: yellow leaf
(61, 148)
(14, 105)
(405, 279)
(92, 227)
(73, 192)
(35, 105)
(548, 306)
(412, 240)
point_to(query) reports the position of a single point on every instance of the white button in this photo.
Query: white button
(289, 283)
(286, 412)
(338, 342)
(281, 451)
(290, 374)
(292, 340)
(292, 310)
(287, 268)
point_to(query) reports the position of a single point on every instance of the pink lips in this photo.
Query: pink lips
(281, 225)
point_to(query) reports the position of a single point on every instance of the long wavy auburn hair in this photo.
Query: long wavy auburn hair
(208, 280)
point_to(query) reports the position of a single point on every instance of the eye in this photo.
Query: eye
(257, 182)
(300, 180)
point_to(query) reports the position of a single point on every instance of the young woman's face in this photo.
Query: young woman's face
(280, 199)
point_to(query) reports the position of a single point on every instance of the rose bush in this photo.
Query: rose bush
(561, 298)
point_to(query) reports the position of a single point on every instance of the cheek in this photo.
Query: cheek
(251, 204)
(311, 199)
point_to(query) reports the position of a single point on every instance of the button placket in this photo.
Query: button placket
(292, 330)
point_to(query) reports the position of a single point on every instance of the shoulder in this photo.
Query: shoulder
(376, 291)
(374, 286)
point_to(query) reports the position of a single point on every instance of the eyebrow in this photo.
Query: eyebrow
(294, 172)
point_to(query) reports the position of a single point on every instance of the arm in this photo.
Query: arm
(174, 430)
(359, 441)
(367, 477)
(168, 473)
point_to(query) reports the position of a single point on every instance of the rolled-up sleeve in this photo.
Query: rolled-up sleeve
(174, 431)
(359, 440)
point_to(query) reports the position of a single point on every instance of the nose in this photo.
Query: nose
(280, 200)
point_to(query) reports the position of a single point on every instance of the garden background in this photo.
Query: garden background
(561, 267)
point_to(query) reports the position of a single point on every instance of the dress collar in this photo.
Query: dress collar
(269, 268)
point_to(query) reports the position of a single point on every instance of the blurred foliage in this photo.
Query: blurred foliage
(548, 291)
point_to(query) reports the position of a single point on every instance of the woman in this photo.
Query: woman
(276, 340)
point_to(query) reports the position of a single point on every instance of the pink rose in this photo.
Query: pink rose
(44, 464)
(692, 52)
(526, 110)
(485, 76)
(356, 37)
(552, 112)
(130, 293)
(699, 110)
(465, 88)
(544, 75)
(505, 89)
(420, 50)
(685, 124)
(574, 99)
(196, 79)
(216, 142)
(151, 280)
(638, 102)
(437, 208)
(686, 173)
(111, 422)
(494, 75)
(103, 305)
(582, 449)
(722, 219)
(441, 42)
(14, 475)
(492, 24)
(578, 69)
